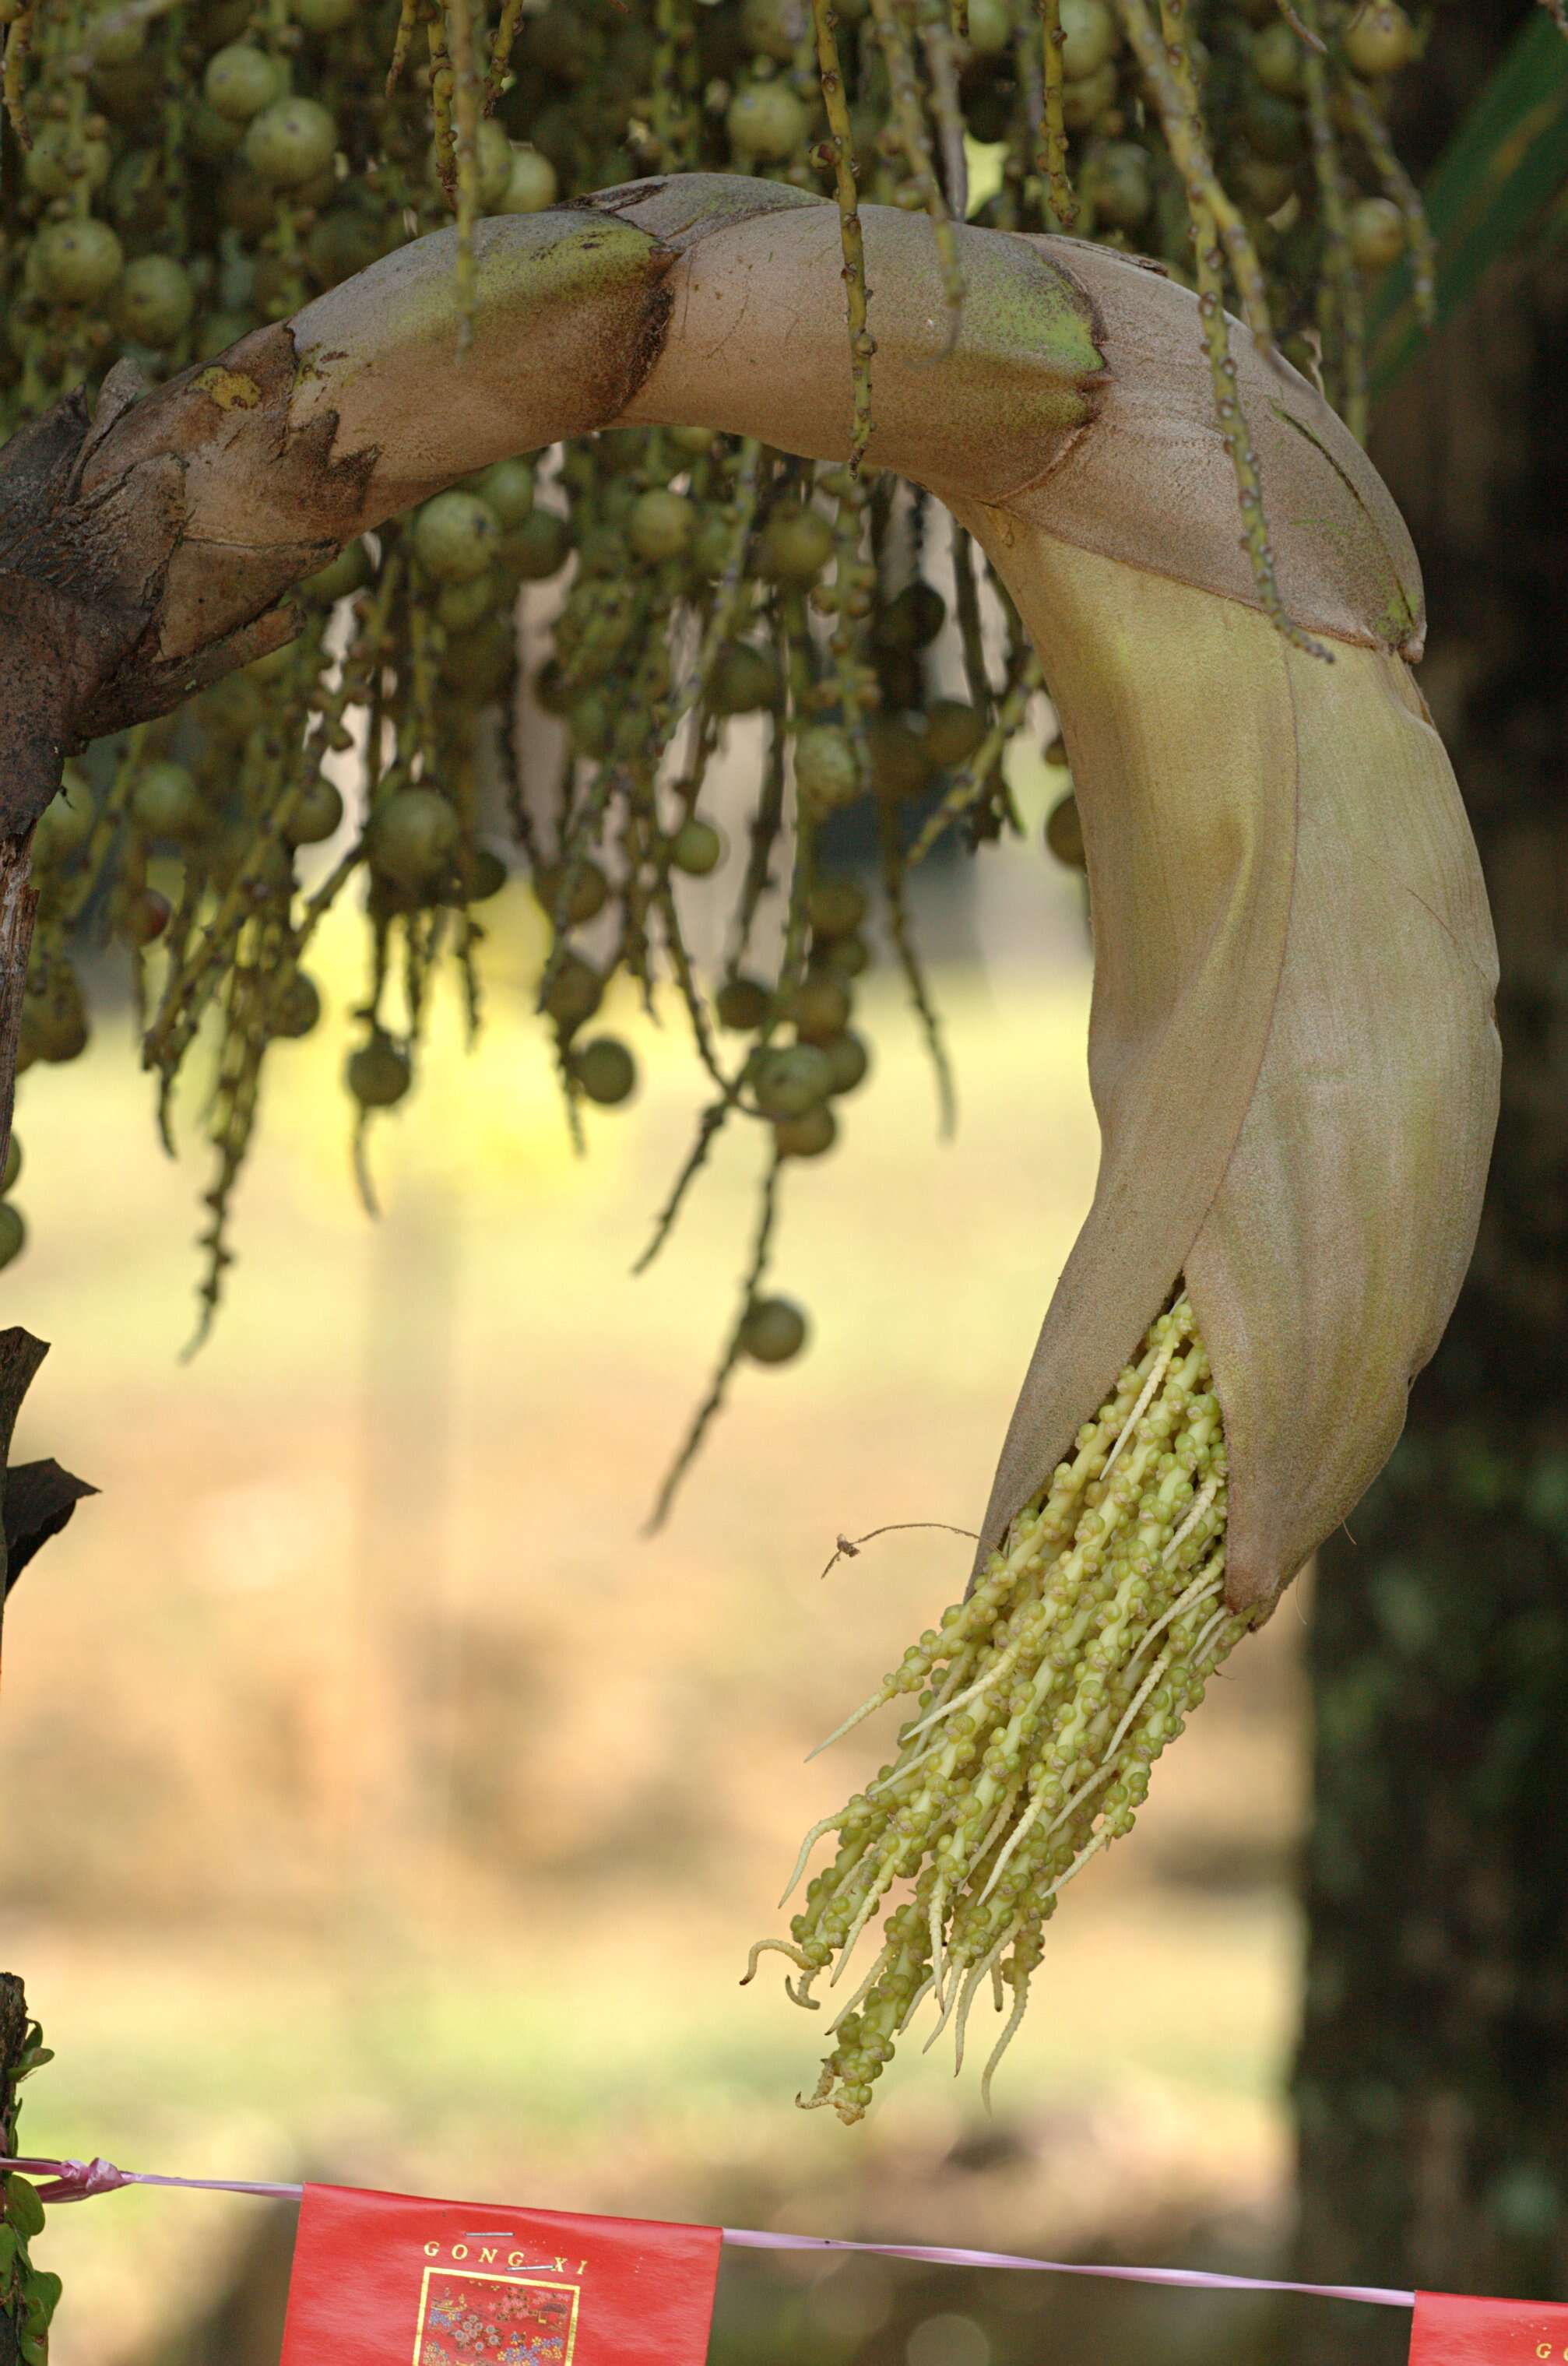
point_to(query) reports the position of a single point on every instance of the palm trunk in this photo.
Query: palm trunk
(1432, 2077)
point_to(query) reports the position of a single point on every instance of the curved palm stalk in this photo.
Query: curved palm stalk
(1292, 1047)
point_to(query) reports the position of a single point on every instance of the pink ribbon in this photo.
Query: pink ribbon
(78, 2180)
(943, 2255)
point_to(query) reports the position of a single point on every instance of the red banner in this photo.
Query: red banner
(1450, 2330)
(387, 2279)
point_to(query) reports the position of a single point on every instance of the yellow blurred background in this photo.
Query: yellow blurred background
(382, 1806)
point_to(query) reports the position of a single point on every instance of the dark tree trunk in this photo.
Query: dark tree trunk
(1432, 2079)
(18, 902)
(12, 2034)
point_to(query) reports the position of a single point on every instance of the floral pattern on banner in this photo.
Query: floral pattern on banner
(496, 2321)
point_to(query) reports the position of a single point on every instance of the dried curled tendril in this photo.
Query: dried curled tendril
(538, 672)
(1041, 1704)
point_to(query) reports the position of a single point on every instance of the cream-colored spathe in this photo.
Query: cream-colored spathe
(1292, 1044)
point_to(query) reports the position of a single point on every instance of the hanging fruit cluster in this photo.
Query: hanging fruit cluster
(174, 175)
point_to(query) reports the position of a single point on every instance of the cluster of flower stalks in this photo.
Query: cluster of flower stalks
(1041, 1704)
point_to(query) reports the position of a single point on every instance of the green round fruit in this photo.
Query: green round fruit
(317, 815)
(1377, 233)
(1277, 59)
(460, 606)
(836, 907)
(144, 917)
(506, 490)
(1083, 103)
(340, 578)
(1118, 183)
(900, 679)
(531, 184)
(493, 155)
(136, 197)
(230, 710)
(166, 803)
(478, 663)
(248, 204)
(573, 994)
(741, 1004)
(538, 547)
(78, 262)
(820, 1008)
(591, 724)
(266, 862)
(1064, 833)
(324, 16)
(826, 773)
(807, 1136)
(241, 80)
(65, 825)
(1090, 37)
(290, 141)
(454, 537)
(991, 27)
(774, 29)
(379, 1073)
(1274, 129)
(606, 1071)
(587, 894)
(696, 847)
(13, 1233)
(1264, 186)
(60, 162)
(766, 123)
(55, 1017)
(561, 44)
(116, 38)
(900, 765)
(660, 525)
(773, 1331)
(154, 301)
(1380, 39)
(345, 240)
(13, 1166)
(294, 1008)
(711, 546)
(790, 1081)
(412, 835)
(953, 731)
(913, 620)
(743, 680)
(209, 135)
(848, 1059)
(131, 95)
(485, 876)
(796, 546)
(843, 956)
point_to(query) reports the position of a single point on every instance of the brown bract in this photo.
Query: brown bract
(1292, 1046)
